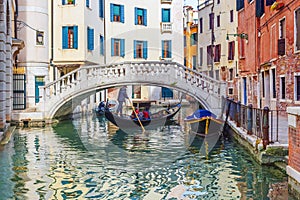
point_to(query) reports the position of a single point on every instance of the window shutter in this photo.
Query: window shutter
(75, 30)
(63, 2)
(170, 49)
(122, 13)
(260, 8)
(122, 47)
(101, 5)
(165, 15)
(111, 12)
(239, 4)
(88, 3)
(88, 38)
(134, 48)
(145, 17)
(91, 39)
(101, 45)
(135, 16)
(112, 46)
(281, 47)
(74, 2)
(145, 49)
(64, 37)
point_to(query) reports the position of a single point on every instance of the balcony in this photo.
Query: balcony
(166, 27)
(166, 1)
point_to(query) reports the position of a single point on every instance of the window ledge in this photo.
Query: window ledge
(297, 102)
(282, 100)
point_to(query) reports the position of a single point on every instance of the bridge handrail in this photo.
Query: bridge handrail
(202, 75)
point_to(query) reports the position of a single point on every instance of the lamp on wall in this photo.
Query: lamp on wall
(39, 38)
(241, 35)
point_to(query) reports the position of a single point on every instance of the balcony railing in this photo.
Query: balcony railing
(166, 27)
(166, 1)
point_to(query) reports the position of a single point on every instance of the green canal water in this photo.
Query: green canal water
(87, 158)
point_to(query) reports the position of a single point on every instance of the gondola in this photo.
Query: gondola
(100, 110)
(156, 120)
(203, 122)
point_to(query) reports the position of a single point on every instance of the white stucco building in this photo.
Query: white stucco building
(144, 31)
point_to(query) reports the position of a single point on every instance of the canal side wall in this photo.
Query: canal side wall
(273, 153)
(293, 168)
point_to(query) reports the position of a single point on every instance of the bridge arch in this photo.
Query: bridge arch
(72, 88)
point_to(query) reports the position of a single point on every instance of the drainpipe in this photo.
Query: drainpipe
(15, 26)
(52, 43)
(212, 38)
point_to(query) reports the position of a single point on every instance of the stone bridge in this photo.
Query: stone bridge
(68, 91)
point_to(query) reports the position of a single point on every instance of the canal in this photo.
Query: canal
(88, 158)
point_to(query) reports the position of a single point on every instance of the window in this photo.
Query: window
(209, 55)
(231, 50)
(194, 62)
(218, 1)
(101, 8)
(140, 49)
(282, 87)
(218, 21)
(217, 56)
(116, 13)
(201, 56)
(297, 88)
(218, 74)
(65, 2)
(39, 81)
(242, 48)
(117, 47)
(273, 83)
(70, 37)
(184, 41)
(101, 45)
(201, 25)
(259, 8)
(87, 3)
(166, 49)
(282, 28)
(230, 91)
(231, 16)
(211, 20)
(269, 2)
(39, 38)
(297, 29)
(136, 91)
(140, 16)
(90, 38)
(239, 4)
(263, 84)
(230, 74)
(194, 39)
(166, 15)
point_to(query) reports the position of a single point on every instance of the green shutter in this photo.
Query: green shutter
(111, 12)
(135, 16)
(134, 48)
(122, 13)
(145, 17)
(112, 47)
(122, 41)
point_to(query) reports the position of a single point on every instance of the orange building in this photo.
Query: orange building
(190, 39)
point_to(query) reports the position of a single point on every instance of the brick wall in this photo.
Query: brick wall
(294, 145)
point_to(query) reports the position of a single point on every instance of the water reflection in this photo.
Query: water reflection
(89, 159)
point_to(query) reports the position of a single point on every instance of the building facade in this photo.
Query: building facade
(217, 42)
(144, 31)
(9, 48)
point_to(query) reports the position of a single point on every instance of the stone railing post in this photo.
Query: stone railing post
(249, 119)
(265, 125)
(293, 168)
(238, 114)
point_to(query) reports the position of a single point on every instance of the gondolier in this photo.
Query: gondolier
(122, 96)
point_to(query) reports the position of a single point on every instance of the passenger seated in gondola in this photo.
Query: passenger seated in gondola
(133, 115)
(146, 114)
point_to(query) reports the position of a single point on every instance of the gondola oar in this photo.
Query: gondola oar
(136, 115)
